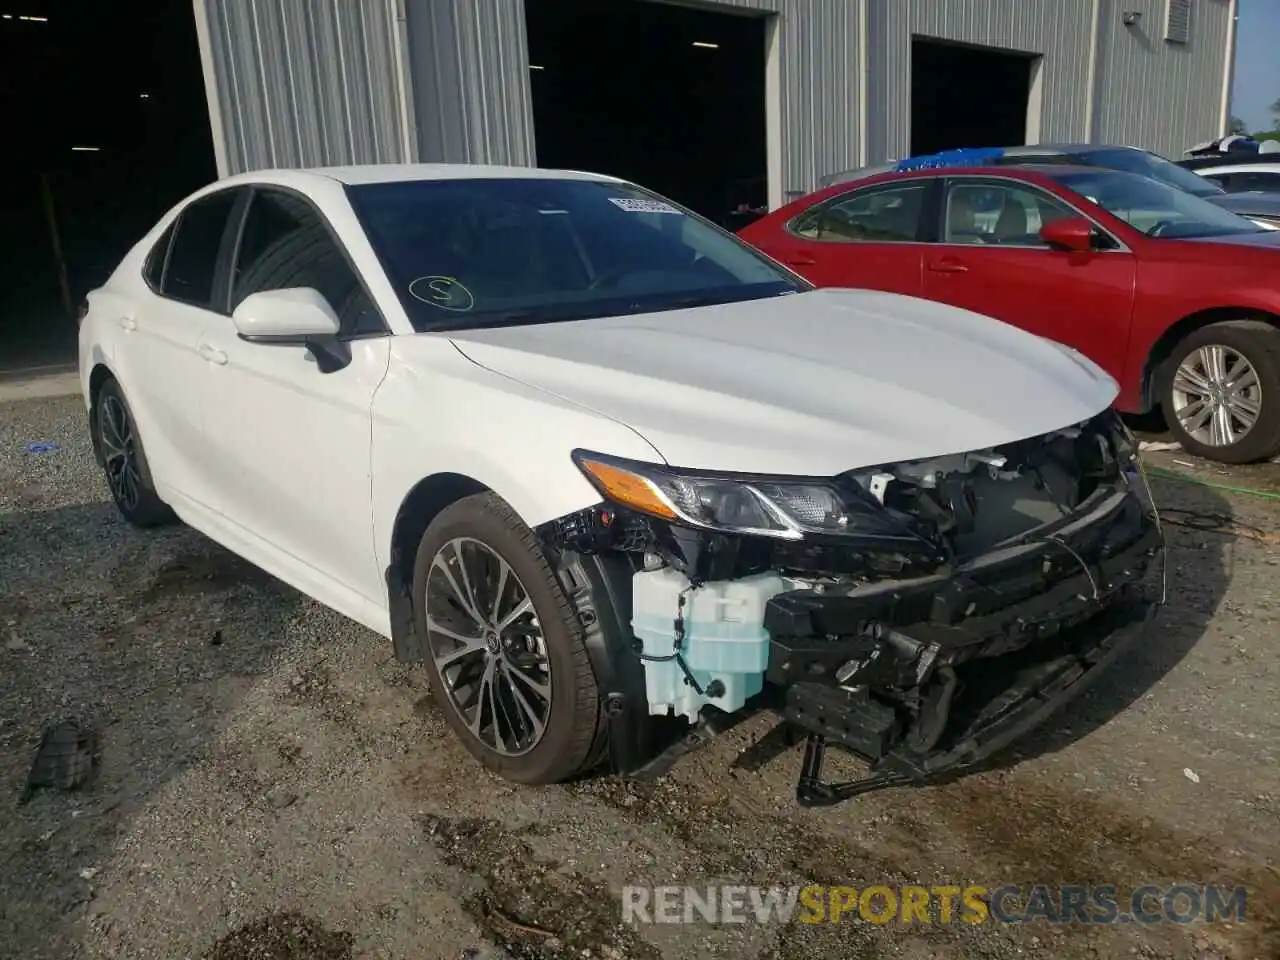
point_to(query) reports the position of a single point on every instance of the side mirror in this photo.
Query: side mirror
(296, 316)
(1074, 234)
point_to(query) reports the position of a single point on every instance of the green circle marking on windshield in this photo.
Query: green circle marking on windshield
(446, 293)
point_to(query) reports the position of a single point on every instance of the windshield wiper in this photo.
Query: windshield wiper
(712, 299)
(512, 318)
(594, 311)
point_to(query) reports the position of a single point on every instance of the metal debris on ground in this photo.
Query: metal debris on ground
(1221, 523)
(65, 760)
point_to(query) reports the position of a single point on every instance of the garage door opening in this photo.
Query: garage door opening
(668, 97)
(965, 96)
(89, 166)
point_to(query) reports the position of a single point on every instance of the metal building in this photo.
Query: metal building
(316, 82)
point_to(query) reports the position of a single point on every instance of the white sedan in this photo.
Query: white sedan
(593, 460)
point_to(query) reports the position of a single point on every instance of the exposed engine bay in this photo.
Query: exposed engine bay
(920, 614)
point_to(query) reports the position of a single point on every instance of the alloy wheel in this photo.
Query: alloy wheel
(119, 453)
(1217, 395)
(488, 646)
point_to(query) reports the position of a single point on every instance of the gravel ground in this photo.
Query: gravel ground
(273, 785)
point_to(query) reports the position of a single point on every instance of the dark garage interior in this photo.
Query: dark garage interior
(666, 96)
(106, 126)
(967, 96)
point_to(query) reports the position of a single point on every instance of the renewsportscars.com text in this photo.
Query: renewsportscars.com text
(940, 904)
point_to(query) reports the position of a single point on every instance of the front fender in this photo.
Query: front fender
(438, 413)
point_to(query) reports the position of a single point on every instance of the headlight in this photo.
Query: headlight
(783, 507)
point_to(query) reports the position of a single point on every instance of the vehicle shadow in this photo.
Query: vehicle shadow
(149, 639)
(1199, 574)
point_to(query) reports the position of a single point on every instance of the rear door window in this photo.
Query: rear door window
(193, 254)
(153, 271)
(877, 215)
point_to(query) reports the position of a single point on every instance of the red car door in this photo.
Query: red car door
(990, 259)
(866, 237)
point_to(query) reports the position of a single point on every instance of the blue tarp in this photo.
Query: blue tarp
(962, 157)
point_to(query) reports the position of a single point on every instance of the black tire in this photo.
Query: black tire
(571, 742)
(137, 501)
(1257, 342)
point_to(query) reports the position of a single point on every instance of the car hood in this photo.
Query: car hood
(1262, 240)
(810, 384)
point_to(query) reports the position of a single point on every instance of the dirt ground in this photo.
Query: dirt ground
(273, 786)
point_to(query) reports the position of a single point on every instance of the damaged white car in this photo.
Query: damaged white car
(594, 461)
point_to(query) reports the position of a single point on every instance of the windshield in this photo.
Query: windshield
(1154, 166)
(482, 252)
(1155, 209)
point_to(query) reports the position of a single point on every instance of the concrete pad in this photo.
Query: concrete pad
(34, 384)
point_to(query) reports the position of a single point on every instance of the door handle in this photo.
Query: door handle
(212, 354)
(128, 323)
(948, 265)
(801, 260)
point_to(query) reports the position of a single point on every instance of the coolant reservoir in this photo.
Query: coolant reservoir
(724, 640)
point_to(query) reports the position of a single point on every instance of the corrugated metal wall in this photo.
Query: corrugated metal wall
(303, 82)
(308, 82)
(1061, 30)
(470, 67)
(1159, 95)
(469, 62)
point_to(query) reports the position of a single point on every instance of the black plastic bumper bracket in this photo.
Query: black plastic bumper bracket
(1124, 627)
(813, 791)
(711, 723)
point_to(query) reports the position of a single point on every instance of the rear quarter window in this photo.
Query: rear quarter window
(153, 269)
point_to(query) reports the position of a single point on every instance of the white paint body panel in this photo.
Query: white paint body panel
(1229, 168)
(811, 384)
(303, 473)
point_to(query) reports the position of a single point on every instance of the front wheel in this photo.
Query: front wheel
(506, 657)
(1221, 392)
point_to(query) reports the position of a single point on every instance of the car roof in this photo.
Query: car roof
(1022, 150)
(1049, 149)
(361, 174)
(1033, 172)
(1050, 169)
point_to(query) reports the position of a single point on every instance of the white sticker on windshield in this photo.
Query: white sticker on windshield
(643, 206)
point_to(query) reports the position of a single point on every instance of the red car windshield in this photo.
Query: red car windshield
(1154, 166)
(1156, 209)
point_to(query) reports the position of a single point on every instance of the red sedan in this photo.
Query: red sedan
(1178, 299)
